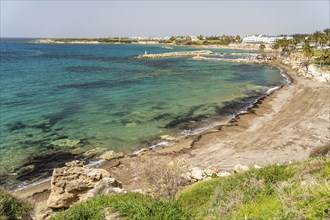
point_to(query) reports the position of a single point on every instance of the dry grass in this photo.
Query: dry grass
(320, 151)
(164, 178)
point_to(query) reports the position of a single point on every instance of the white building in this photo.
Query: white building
(194, 38)
(263, 39)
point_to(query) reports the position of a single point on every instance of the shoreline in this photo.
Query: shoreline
(198, 149)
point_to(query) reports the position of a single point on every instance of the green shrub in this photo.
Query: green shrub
(12, 208)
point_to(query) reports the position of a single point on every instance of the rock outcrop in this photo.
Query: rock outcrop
(110, 155)
(198, 174)
(75, 182)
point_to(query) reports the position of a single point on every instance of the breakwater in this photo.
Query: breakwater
(175, 54)
(240, 60)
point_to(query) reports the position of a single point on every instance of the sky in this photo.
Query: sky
(87, 18)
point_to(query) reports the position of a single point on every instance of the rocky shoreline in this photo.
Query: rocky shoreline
(223, 147)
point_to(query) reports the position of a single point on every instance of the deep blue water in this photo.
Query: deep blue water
(102, 96)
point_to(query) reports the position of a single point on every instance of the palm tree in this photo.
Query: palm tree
(324, 58)
(316, 37)
(324, 39)
(308, 52)
(284, 44)
(275, 47)
(294, 43)
(262, 47)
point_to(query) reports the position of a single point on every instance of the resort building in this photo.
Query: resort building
(263, 39)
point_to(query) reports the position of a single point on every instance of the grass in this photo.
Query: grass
(295, 191)
(291, 191)
(132, 206)
(12, 208)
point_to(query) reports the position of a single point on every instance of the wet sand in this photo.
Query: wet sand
(286, 126)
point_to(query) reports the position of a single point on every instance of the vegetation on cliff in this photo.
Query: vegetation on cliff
(315, 48)
(12, 208)
(279, 191)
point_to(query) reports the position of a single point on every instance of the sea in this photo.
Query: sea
(62, 101)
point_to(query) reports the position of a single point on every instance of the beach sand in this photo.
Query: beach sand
(287, 125)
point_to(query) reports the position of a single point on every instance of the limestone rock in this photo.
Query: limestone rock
(187, 177)
(240, 168)
(223, 174)
(167, 138)
(197, 173)
(141, 151)
(110, 155)
(75, 182)
(210, 171)
(93, 152)
(105, 186)
(256, 166)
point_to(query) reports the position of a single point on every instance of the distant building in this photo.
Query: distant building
(194, 38)
(263, 39)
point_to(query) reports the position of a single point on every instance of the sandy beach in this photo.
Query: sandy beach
(288, 125)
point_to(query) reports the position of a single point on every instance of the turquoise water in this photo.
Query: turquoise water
(102, 96)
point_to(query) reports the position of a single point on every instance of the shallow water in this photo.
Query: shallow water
(101, 96)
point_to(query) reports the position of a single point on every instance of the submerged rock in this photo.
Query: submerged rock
(65, 142)
(75, 183)
(16, 126)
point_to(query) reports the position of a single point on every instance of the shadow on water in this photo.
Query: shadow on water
(66, 112)
(86, 57)
(101, 84)
(181, 121)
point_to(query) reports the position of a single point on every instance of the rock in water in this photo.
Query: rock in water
(65, 143)
(75, 182)
(110, 155)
